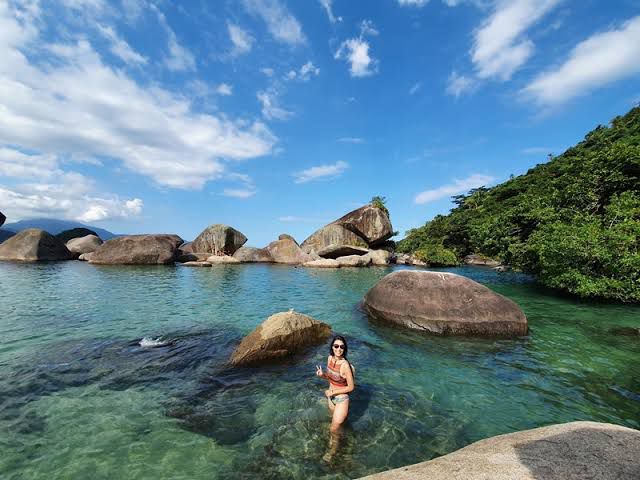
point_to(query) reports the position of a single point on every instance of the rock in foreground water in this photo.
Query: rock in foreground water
(280, 335)
(570, 451)
(138, 250)
(253, 255)
(288, 251)
(443, 303)
(34, 245)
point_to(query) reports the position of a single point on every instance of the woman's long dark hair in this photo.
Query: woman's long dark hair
(344, 352)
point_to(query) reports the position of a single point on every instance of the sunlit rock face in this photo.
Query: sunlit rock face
(138, 250)
(34, 245)
(445, 304)
(218, 239)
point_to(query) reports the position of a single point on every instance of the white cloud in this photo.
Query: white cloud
(281, 24)
(500, 47)
(458, 186)
(321, 172)
(414, 89)
(304, 73)
(413, 3)
(120, 48)
(595, 62)
(133, 9)
(356, 52)
(75, 105)
(270, 105)
(180, 58)
(242, 40)
(238, 192)
(326, 4)
(52, 192)
(224, 89)
(351, 140)
(267, 71)
(459, 84)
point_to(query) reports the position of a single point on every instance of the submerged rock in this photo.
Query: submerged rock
(443, 303)
(218, 239)
(138, 250)
(87, 244)
(280, 335)
(34, 245)
(570, 451)
(253, 255)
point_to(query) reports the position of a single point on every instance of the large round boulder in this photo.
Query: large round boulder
(354, 261)
(87, 244)
(34, 245)
(253, 255)
(218, 239)
(280, 335)
(569, 451)
(369, 222)
(443, 303)
(79, 232)
(288, 251)
(332, 234)
(138, 250)
(380, 257)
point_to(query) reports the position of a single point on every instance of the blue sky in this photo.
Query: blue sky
(150, 116)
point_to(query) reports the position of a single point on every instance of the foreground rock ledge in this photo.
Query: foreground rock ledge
(570, 451)
(443, 303)
(280, 335)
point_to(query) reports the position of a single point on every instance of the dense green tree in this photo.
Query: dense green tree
(573, 221)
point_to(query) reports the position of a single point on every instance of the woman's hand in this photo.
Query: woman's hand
(328, 393)
(319, 372)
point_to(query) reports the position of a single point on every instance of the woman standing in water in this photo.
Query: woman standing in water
(341, 383)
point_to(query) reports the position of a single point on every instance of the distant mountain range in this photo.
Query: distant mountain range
(51, 225)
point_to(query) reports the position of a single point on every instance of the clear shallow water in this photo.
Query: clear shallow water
(80, 398)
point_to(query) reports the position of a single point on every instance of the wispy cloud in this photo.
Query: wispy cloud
(282, 25)
(500, 46)
(356, 52)
(304, 73)
(326, 4)
(321, 172)
(179, 58)
(415, 87)
(242, 40)
(238, 192)
(269, 99)
(459, 84)
(413, 3)
(120, 48)
(458, 186)
(595, 62)
(351, 140)
(224, 89)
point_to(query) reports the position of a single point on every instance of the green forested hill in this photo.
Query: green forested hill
(574, 222)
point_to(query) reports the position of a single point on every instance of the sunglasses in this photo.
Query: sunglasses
(341, 347)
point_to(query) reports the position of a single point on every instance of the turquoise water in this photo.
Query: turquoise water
(79, 397)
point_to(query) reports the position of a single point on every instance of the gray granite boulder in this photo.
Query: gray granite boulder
(322, 263)
(34, 245)
(218, 239)
(222, 260)
(380, 257)
(85, 257)
(480, 260)
(280, 335)
(443, 303)
(288, 251)
(370, 223)
(284, 236)
(253, 255)
(138, 250)
(332, 234)
(79, 232)
(354, 261)
(87, 244)
(569, 451)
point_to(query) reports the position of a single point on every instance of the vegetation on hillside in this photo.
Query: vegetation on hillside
(574, 221)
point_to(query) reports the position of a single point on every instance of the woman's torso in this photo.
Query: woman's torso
(333, 373)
